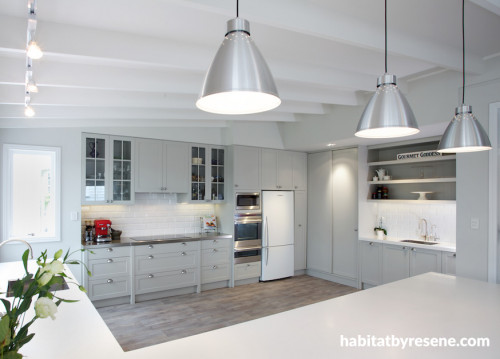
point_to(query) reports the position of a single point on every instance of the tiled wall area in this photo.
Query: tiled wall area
(152, 214)
(401, 220)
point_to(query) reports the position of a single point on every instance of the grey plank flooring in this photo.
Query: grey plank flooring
(158, 321)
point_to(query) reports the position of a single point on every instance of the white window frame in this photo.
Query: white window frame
(7, 192)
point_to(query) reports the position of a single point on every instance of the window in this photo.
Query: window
(31, 192)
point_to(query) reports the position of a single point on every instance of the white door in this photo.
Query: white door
(148, 166)
(277, 262)
(300, 229)
(278, 218)
(246, 168)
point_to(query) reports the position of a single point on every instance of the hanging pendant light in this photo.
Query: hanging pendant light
(238, 80)
(388, 114)
(464, 133)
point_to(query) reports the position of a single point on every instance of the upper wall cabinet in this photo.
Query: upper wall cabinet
(246, 168)
(299, 171)
(276, 169)
(108, 169)
(207, 173)
(162, 166)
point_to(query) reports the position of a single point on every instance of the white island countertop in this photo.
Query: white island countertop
(429, 305)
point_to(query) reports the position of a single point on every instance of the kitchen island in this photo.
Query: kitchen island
(429, 305)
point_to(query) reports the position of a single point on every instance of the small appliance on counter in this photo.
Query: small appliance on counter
(102, 230)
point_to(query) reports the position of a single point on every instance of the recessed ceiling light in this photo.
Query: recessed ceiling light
(331, 144)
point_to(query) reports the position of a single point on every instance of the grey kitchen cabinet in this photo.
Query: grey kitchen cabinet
(162, 166)
(332, 215)
(276, 169)
(396, 263)
(215, 260)
(370, 257)
(207, 174)
(299, 171)
(111, 273)
(246, 168)
(319, 226)
(300, 234)
(108, 169)
(424, 260)
(448, 262)
(247, 270)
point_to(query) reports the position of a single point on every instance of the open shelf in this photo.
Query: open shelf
(433, 201)
(417, 160)
(416, 180)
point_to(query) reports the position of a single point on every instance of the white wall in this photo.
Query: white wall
(69, 142)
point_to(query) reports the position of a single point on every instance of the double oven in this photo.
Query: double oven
(247, 228)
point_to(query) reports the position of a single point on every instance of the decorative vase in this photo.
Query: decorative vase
(380, 234)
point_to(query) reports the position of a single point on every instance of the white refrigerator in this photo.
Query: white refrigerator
(277, 235)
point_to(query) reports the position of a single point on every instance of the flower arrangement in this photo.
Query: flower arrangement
(13, 330)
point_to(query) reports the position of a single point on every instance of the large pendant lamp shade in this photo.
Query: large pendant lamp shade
(464, 133)
(238, 80)
(388, 114)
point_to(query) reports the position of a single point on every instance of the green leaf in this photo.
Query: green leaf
(12, 355)
(4, 331)
(25, 260)
(82, 288)
(25, 340)
(18, 288)
(24, 306)
(6, 304)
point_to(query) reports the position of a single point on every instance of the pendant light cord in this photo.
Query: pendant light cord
(463, 52)
(385, 19)
(237, 8)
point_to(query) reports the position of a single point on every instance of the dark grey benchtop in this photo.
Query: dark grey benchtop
(168, 238)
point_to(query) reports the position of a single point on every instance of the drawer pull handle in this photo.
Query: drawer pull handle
(214, 241)
(150, 276)
(214, 267)
(371, 243)
(214, 250)
(183, 271)
(110, 260)
(454, 254)
(150, 257)
(110, 249)
(150, 246)
(110, 281)
(183, 253)
(413, 249)
(184, 243)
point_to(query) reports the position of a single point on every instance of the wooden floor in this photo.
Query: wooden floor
(158, 321)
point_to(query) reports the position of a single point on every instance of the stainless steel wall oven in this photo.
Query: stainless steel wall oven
(247, 237)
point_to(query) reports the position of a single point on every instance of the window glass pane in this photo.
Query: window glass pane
(33, 206)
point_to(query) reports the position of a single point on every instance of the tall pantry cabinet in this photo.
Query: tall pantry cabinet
(333, 215)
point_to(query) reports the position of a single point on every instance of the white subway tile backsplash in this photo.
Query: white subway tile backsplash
(152, 214)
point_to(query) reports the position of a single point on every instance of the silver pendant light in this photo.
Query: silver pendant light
(238, 80)
(464, 133)
(388, 113)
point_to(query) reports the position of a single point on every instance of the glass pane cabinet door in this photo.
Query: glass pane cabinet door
(198, 164)
(217, 174)
(95, 169)
(122, 170)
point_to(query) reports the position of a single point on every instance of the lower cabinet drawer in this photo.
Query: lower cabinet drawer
(154, 282)
(112, 287)
(214, 273)
(214, 256)
(109, 267)
(247, 270)
(145, 264)
(215, 243)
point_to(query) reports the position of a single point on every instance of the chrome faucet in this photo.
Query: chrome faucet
(426, 233)
(18, 240)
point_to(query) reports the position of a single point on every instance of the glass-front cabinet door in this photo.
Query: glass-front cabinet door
(95, 169)
(207, 174)
(107, 170)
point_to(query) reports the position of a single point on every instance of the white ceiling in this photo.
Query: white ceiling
(142, 63)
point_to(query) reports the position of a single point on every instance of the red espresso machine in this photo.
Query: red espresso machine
(102, 230)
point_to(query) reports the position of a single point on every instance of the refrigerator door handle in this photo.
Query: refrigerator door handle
(266, 230)
(267, 256)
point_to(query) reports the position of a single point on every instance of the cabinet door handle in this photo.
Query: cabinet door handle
(214, 250)
(110, 281)
(183, 271)
(454, 254)
(110, 260)
(109, 249)
(413, 249)
(214, 267)
(296, 187)
(183, 253)
(300, 225)
(235, 185)
(184, 243)
(371, 244)
(150, 275)
(150, 257)
(404, 248)
(150, 246)
(215, 241)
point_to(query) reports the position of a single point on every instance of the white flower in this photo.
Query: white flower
(54, 268)
(45, 278)
(44, 308)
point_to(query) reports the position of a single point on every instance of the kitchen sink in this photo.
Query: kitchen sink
(53, 288)
(419, 242)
